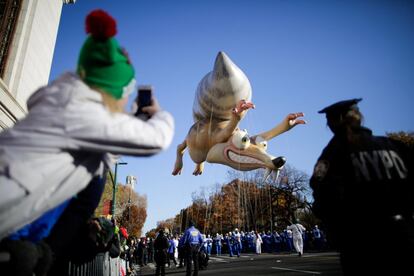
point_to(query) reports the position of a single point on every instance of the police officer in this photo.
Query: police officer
(365, 180)
(192, 241)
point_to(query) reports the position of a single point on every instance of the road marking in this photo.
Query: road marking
(218, 260)
(320, 254)
(296, 270)
(226, 257)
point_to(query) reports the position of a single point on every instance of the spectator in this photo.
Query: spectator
(171, 251)
(63, 243)
(175, 239)
(357, 176)
(150, 250)
(160, 246)
(142, 251)
(53, 153)
(114, 245)
(181, 251)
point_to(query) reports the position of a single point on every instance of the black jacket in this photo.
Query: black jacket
(362, 179)
(160, 246)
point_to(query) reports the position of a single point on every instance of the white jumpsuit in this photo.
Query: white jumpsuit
(297, 230)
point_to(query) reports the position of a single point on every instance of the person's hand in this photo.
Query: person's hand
(94, 229)
(153, 108)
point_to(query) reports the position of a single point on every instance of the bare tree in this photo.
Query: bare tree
(249, 202)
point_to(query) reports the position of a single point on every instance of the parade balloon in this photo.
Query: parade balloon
(222, 100)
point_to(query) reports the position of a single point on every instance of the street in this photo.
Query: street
(323, 263)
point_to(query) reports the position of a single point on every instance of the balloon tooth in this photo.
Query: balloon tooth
(267, 174)
(277, 175)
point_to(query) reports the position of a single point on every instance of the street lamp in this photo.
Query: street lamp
(114, 187)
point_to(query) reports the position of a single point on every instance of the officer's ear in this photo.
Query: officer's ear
(353, 117)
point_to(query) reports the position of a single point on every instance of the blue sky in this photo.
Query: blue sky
(298, 56)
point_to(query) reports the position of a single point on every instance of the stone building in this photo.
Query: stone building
(28, 31)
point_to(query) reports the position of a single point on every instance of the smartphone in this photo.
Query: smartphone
(144, 98)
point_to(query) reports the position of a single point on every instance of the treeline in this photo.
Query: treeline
(248, 202)
(405, 137)
(130, 207)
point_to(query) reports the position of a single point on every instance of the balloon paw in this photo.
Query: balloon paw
(177, 171)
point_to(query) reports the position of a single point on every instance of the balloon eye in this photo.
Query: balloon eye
(260, 142)
(241, 140)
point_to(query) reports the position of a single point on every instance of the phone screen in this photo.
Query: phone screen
(144, 97)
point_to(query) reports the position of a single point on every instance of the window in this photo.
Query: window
(9, 13)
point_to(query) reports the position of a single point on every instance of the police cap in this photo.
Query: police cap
(340, 107)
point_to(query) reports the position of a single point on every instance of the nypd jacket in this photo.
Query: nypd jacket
(54, 152)
(362, 176)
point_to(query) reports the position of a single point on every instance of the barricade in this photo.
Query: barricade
(101, 265)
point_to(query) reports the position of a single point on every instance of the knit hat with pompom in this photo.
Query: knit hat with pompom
(102, 63)
(124, 232)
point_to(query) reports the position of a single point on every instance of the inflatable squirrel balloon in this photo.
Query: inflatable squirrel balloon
(222, 100)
